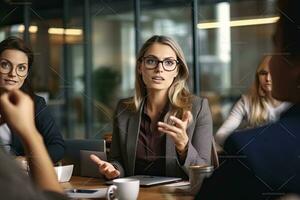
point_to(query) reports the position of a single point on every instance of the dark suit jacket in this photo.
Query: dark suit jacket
(48, 129)
(263, 162)
(126, 133)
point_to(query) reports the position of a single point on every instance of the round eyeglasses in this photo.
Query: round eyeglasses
(6, 67)
(168, 64)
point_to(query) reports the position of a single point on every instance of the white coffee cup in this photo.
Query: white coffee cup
(123, 189)
(64, 173)
(197, 174)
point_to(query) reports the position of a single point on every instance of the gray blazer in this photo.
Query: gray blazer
(126, 133)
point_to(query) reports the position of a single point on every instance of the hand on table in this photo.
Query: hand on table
(105, 168)
(177, 131)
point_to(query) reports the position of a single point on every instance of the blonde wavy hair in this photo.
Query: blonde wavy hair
(258, 98)
(178, 93)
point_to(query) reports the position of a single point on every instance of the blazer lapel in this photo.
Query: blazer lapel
(132, 138)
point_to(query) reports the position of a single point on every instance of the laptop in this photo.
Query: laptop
(87, 167)
(148, 180)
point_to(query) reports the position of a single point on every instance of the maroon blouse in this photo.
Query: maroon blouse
(151, 146)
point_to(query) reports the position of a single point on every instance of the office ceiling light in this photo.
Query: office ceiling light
(237, 23)
(21, 28)
(56, 31)
(61, 31)
(69, 31)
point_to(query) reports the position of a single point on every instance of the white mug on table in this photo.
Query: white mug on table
(123, 189)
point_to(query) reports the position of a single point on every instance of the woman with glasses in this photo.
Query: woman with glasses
(15, 62)
(256, 108)
(163, 129)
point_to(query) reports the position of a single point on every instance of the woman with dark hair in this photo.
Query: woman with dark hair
(163, 129)
(16, 60)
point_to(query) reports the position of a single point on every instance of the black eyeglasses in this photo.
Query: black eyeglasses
(6, 67)
(168, 64)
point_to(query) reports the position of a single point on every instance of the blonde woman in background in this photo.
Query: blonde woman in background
(255, 108)
(266, 162)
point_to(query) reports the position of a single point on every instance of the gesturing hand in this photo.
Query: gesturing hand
(177, 131)
(105, 168)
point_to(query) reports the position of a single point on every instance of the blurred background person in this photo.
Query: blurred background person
(265, 161)
(255, 108)
(16, 60)
(163, 129)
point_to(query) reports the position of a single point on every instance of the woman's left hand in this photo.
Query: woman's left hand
(177, 131)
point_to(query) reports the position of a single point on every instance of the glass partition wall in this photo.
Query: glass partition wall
(113, 53)
(234, 36)
(85, 51)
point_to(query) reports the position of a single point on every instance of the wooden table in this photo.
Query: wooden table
(160, 192)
